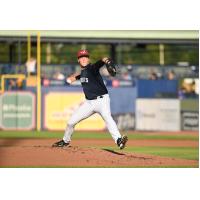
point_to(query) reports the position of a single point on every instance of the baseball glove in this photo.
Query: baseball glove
(111, 67)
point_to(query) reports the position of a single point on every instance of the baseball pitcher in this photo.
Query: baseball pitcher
(97, 98)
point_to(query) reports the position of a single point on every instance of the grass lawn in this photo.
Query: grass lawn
(190, 153)
(92, 135)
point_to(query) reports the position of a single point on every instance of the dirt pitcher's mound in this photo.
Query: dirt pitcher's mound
(24, 154)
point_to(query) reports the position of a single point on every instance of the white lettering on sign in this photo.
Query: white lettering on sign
(15, 108)
(16, 115)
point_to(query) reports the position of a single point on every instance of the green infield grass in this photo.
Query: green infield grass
(94, 135)
(190, 153)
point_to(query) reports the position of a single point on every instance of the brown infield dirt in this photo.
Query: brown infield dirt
(83, 153)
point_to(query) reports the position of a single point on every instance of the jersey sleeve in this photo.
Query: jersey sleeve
(77, 77)
(98, 64)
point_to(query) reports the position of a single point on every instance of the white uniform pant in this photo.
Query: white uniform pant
(89, 107)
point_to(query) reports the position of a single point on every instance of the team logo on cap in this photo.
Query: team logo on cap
(82, 53)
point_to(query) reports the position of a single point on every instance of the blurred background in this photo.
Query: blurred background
(156, 87)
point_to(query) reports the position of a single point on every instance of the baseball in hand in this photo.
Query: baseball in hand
(69, 80)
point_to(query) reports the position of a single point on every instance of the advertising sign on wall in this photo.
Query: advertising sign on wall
(158, 114)
(125, 121)
(190, 120)
(17, 111)
(59, 106)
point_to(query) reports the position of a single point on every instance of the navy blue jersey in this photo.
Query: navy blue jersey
(92, 81)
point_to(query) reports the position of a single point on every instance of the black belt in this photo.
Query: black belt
(101, 96)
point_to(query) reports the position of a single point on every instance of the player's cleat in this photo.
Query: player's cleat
(60, 143)
(121, 142)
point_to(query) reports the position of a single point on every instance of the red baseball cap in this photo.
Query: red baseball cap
(82, 53)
